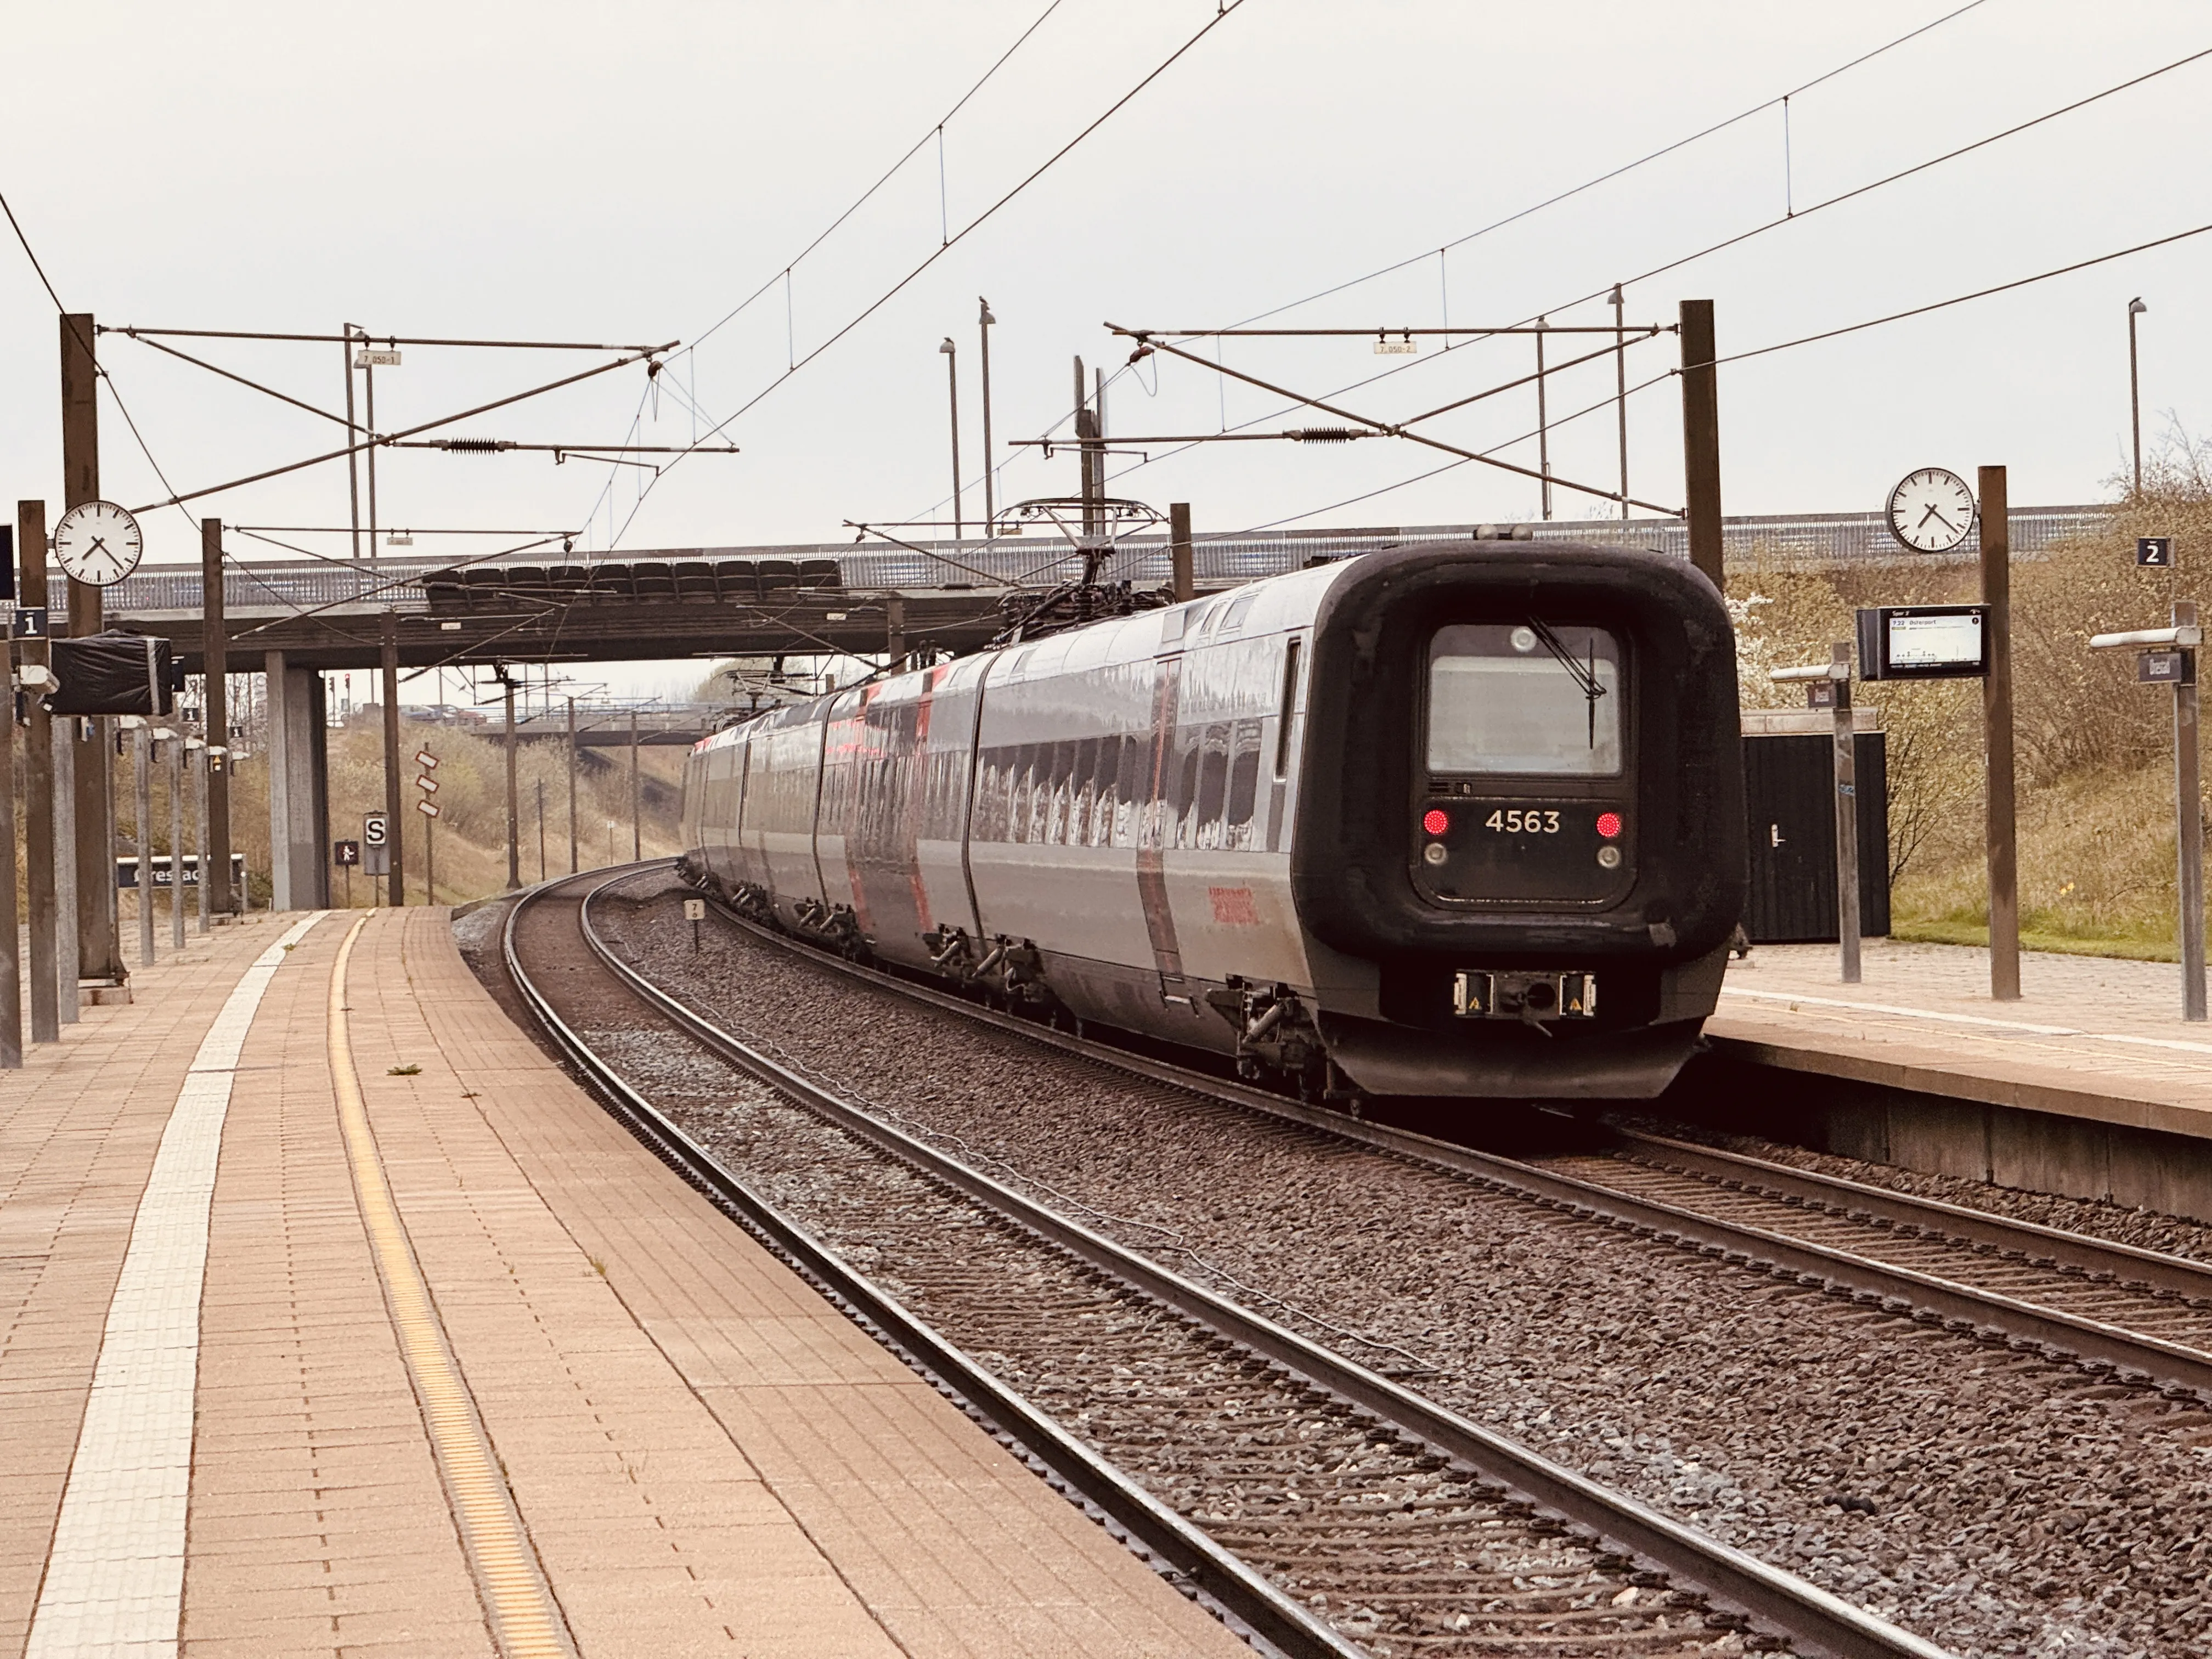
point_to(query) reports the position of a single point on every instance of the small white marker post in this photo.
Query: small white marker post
(1837, 671)
(2170, 660)
(695, 912)
(175, 741)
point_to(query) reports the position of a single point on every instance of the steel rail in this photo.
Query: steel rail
(2130, 1264)
(1815, 1620)
(2062, 1335)
(1249, 1598)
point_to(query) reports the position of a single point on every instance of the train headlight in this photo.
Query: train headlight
(1609, 857)
(1435, 852)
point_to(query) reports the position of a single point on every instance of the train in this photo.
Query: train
(1457, 820)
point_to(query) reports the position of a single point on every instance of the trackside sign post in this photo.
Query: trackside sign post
(2168, 657)
(1834, 676)
(375, 844)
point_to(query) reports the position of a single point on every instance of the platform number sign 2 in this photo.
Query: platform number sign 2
(2154, 552)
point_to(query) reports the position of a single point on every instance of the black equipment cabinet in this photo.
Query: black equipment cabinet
(1789, 791)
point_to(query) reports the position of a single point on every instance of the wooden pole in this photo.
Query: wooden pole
(39, 796)
(216, 896)
(1701, 438)
(389, 642)
(203, 778)
(142, 760)
(1997, 747)
(636, 797)
(572, 786)
(99, 952)
(11, 961)
(177, 842)
(68, 735)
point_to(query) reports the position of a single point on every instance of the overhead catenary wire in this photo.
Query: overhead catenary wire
(1737, 238)
(936, 131)
(99, 369)
(1227, 9)
(1963, 299)
(1768, 350)
(1625, 168)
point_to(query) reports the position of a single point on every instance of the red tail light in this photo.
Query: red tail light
(1608, 825)
(1436, 823)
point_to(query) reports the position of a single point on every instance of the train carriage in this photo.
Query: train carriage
(1453, 819)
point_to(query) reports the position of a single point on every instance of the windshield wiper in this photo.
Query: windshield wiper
(1585, 676)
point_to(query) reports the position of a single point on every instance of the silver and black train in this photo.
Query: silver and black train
(1452, 819)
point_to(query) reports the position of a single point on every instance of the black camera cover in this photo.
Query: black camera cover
(112, 673)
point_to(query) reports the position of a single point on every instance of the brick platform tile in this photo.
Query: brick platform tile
(79, 1126)
(950, 1545)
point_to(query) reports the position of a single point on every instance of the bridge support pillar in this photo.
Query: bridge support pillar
(299, 800)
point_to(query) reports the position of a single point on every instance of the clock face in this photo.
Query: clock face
(1932, 511)
(98, 543)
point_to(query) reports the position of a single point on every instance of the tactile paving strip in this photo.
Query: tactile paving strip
(115, 1576)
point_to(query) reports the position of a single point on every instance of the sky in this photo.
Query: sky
(632, 175)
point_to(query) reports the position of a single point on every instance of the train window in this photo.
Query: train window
(1133, 787)
(1525, 697)
(1243, 783)
(1241, 608)
(1289, 703)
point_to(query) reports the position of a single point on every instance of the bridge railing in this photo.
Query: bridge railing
(1039, 561)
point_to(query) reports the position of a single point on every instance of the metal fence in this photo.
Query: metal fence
(1811, 539)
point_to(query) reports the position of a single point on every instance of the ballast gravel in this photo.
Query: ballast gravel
(1995, 1502)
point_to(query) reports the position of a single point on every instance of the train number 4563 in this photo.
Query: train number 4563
(1515, 821)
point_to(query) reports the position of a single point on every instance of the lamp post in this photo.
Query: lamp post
(952, 387)
(2135, 308)
(984, 320)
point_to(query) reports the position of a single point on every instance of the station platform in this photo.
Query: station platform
(335, 1319)
(2091, 1084)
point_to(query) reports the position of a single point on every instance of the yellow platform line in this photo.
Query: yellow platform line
(526, 1622)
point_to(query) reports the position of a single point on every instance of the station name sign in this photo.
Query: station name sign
(1924, 643)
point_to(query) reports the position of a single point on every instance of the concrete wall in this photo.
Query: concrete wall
(299, 799)
(2038, 1151)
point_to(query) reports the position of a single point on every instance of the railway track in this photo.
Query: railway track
(1323, 1507)
(2138, 1316)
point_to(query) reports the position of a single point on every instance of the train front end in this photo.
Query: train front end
(1521, 821)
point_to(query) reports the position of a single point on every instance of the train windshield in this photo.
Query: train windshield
(1525, 698)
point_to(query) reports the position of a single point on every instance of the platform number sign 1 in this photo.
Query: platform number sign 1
(2154, 552)
(695, 912)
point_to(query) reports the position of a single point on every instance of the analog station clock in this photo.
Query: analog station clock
(1931, 511)
(98, 543)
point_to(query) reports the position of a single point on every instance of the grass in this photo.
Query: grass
(1945, 931)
